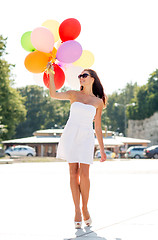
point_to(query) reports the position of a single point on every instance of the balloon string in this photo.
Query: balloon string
(49, 69)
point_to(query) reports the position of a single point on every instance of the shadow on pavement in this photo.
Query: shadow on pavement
(86, 234)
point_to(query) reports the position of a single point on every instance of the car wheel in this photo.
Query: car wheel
(155, 156)
(29, 155)
(137, 156)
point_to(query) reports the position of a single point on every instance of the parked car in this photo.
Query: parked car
(2, 153)
(151, 152)
(135, 152)
(109, 154)
(20, 151)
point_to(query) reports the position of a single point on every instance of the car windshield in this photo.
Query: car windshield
(153, 147)
(129, 149)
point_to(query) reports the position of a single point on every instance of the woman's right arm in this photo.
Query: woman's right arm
(58, 95)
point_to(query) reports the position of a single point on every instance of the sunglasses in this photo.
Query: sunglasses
(83, 75)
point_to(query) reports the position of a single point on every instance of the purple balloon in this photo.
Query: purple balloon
(69, 52)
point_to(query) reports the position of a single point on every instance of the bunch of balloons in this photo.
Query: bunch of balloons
(54, 42)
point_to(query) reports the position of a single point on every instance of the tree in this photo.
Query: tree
(146, 99)
(43, 112)
(114, 117)
(12, 110)
(35, 103)
(57, 111)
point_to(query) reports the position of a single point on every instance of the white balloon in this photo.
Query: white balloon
(71, 76)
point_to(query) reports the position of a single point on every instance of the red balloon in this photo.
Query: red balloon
(59, 77)
(69, 29)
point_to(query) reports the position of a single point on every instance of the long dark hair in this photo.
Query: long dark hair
(97, 87)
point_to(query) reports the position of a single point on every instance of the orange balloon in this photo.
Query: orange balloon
(52, 55)
(36, 62)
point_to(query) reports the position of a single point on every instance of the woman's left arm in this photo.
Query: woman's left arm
(98, 131)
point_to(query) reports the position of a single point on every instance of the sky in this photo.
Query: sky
(122, 35)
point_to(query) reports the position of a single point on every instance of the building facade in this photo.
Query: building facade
(46, 141)
(145, 129)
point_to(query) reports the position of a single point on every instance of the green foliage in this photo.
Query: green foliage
(114, 116)
(146, 99)
(3, 42)
(42, 111)
(12, 110)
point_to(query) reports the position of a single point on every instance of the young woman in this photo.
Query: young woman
(77, 141)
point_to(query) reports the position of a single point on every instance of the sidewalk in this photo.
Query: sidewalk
(36, 203)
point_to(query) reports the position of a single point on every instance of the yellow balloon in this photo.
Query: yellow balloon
(58, 43)
(86, 60)
(53, 26)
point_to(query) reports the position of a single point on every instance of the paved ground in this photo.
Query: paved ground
(36, 204)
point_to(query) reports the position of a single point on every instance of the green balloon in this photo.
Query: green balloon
(26, 42)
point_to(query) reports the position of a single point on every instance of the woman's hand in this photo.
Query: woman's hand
(50, 66)
(103, 156)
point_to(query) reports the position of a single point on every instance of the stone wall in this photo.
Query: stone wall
(144, 129)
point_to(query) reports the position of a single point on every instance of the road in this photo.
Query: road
(36, 203)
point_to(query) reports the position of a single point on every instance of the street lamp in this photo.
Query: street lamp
(125, 106)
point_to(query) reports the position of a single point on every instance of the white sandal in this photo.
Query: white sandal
(78, 225)
(88, 222)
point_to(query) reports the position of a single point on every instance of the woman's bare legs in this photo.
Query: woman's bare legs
(84, 188)
(80, 184)
(75, 189)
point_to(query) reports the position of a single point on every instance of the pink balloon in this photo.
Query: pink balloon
(42, 39)
(69, 51)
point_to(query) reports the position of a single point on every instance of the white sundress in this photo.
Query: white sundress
(76, 144)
